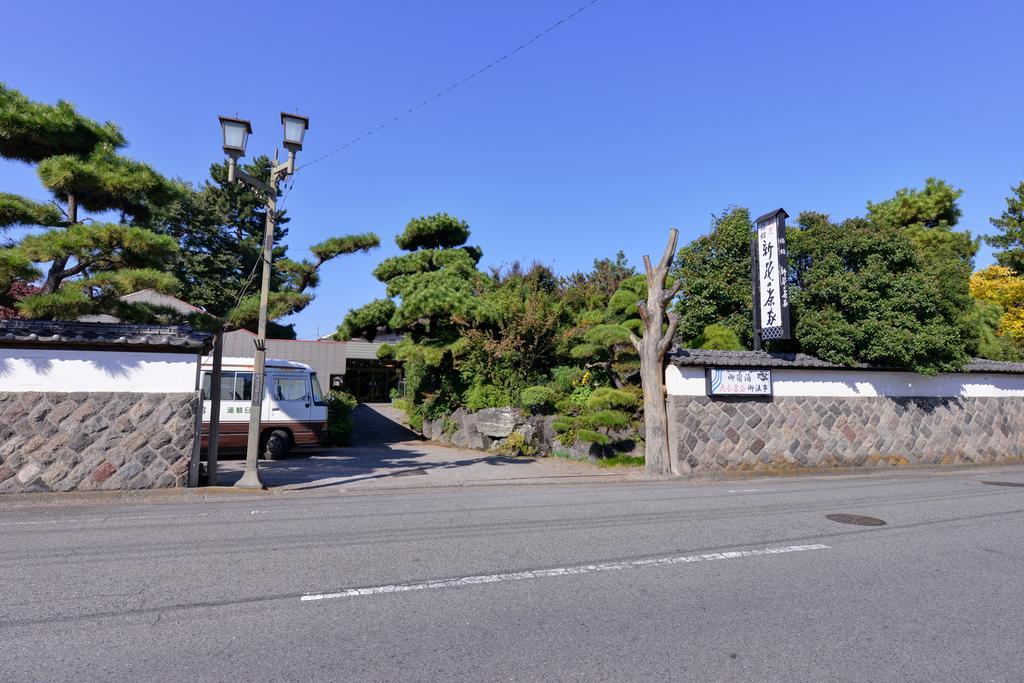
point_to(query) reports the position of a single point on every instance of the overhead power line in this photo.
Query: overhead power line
(441, 93)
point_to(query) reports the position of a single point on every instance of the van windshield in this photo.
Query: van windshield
(318, 394)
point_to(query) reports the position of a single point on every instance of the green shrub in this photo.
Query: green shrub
(516, 444)
(718, 337)
(413, 414)
(621, 461)
(565, 406)
(590, 436)
(486, 396)
(339, 418)
(607, 398)
(538, 400)
(580, 395)
(607, 419)
(566, 377)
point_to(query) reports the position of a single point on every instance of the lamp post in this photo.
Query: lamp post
(236, 133)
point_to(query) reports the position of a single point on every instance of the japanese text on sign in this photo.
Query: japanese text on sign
(769, 275)
(733, 382)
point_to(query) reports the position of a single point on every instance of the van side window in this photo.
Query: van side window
(234, 386)
(288, 388)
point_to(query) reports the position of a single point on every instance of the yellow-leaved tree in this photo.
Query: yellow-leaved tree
(1002, 286)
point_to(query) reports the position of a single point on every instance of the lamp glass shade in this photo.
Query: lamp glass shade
(235, 134)
(294, 129)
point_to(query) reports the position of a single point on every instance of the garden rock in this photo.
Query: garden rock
(497, 422)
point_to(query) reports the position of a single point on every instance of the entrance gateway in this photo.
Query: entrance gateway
(293, 410)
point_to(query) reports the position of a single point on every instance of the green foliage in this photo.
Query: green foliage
(539, 400)
(514, 338)
(620, 460)
(478, 397)
(607, 419)
(715, 270)
(366, 320)
(32, 131)
(587, 291)
(590, 436)
(719, 338)
(889, 289)
(606, 398)
(332, 247)
(1009, 241)
(581, 395)
(18, 210)
(605, 337)
(591, 419)
(430, 232)
(219, 229)
(339, 418)
(869, 296)
(515, 444)
(109, 244)
(105, 181)
(992, 344)
(87, 266)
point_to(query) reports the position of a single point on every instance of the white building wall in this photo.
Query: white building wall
(689, 381)
(68, 370)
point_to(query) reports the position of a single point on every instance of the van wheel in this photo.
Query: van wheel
(277, 445)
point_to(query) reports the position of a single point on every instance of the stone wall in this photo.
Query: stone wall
(786, 433)
(98, 440)
(511, 432)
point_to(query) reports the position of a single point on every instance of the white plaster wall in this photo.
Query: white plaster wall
(69, 370)
(689, 381)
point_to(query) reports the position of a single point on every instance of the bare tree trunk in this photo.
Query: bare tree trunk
(54, 274)
(652, 349)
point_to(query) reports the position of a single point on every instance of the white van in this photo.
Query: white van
(294, 410)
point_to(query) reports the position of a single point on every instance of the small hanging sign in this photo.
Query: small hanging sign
(738, 381)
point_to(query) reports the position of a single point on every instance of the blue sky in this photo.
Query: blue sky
(633, 117)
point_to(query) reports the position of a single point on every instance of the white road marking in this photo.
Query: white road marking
(104, 518)
(559, 571)
(743, 490)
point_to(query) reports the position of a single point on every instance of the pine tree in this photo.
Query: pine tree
(437, 285)
(1010, 241)
(84, 266)
(219, 232)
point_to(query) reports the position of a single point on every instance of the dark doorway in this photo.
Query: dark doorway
(371, 381)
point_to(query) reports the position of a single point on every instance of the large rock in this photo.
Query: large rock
(480, 442)
(581, 450)
(497, 422)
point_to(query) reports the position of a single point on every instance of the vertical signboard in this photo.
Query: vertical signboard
(771, 289)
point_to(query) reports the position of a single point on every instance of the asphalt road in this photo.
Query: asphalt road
(589, 581)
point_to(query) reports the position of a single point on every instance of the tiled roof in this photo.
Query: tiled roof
(764, 359)
(66, 333)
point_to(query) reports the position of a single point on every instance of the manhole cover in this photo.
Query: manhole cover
(409, 473)
(860, 520)
(1003, 483)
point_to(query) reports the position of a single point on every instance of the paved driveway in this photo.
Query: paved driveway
(387, 454)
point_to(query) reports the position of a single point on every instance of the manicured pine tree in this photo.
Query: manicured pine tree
(437, 284)
(83, 266)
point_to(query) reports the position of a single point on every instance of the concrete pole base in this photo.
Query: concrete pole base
(250, 480)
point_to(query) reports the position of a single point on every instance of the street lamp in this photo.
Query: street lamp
(236, 132)
(295, 127)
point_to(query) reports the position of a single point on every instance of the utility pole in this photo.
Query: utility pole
(236, 132)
